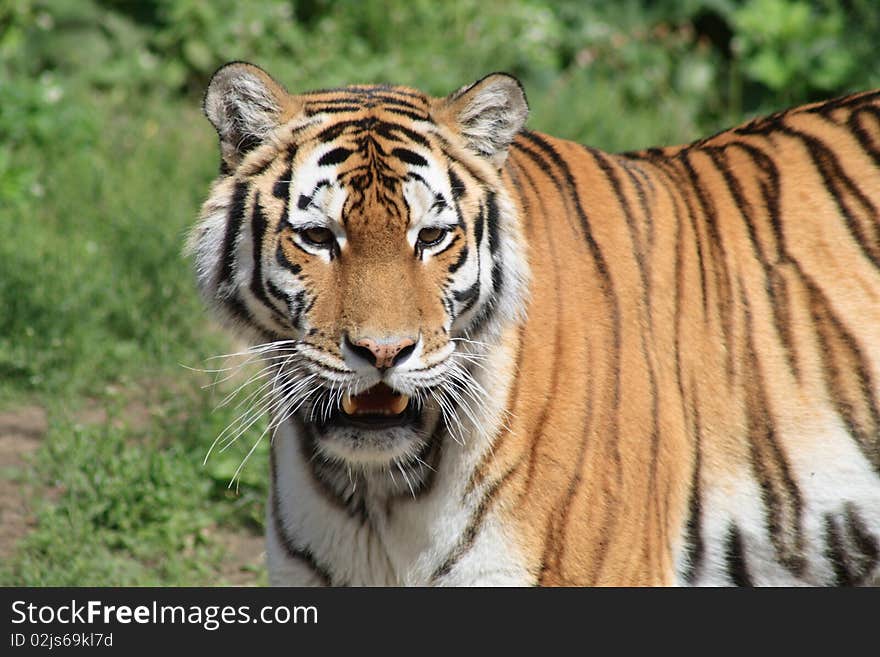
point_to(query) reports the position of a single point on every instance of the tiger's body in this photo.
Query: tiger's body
(653, 368)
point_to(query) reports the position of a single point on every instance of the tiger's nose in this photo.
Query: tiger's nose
(382, 353)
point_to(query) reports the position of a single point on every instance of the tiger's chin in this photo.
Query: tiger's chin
(375, 428)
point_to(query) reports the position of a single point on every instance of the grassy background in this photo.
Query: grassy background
(105, 158)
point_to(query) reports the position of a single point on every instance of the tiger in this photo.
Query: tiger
(493, 357)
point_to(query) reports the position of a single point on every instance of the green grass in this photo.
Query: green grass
(100, 314)
(128, 505)
(93, 280)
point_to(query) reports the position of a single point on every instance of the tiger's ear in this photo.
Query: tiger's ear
(244, 104)
(488, 114)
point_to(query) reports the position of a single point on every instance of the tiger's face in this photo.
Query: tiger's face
(362, 237)
(368, 276)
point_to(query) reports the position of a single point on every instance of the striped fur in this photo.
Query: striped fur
(652, 368)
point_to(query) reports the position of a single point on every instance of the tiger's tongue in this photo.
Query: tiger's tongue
(378, 400)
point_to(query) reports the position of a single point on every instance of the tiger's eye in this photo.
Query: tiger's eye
(320, 236)
(430, 236)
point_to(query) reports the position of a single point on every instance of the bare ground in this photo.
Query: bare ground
(245, 557)
(21, 431)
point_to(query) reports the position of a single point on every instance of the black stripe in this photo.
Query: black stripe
(277, 292)
(412, 175)
(462, 258)
(235, 306)
(333, 131)
(281, 259)
(415, 116)
(328, 108)
(839, 185)
(681, 289)
(611, 174)
(409, 157)
(640, 179)
(367, 98)
(470, 295)
(852, 553)
(293, 551)
(608, 169)
(606, 286)
(496, 273)
(862, 540)
(829, 106)
(870, 143)
(774, 283)
(694, 548)
(259, 168)
(450, 154)
(492, 219)
(304, 201)
(457, 188)
(734, 557)
(388, 99)
(596, 252)
(538, 428)
(447, 305)
(779, 490)
(843, 359)
(299, 246)
(233, 228)
(449, 245)
(386, 129)
(820, 309)
(470, 533)
(456, 184)
(334, 156)
(675, 187)
(718, 260)
(296, 308)
(281, 188)
(258, 233)
(836, 554)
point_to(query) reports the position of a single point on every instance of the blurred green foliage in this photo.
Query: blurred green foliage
(800, 49)
(104, 159)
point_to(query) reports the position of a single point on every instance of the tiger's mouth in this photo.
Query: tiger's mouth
(378, 400)
(379, 407)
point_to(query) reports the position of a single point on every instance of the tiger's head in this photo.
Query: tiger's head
(361, 238)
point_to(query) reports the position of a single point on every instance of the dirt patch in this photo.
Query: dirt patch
(132, 407)
(245, 557)
(21, 431)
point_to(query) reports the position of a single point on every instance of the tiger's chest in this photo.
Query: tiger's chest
(438, 536)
